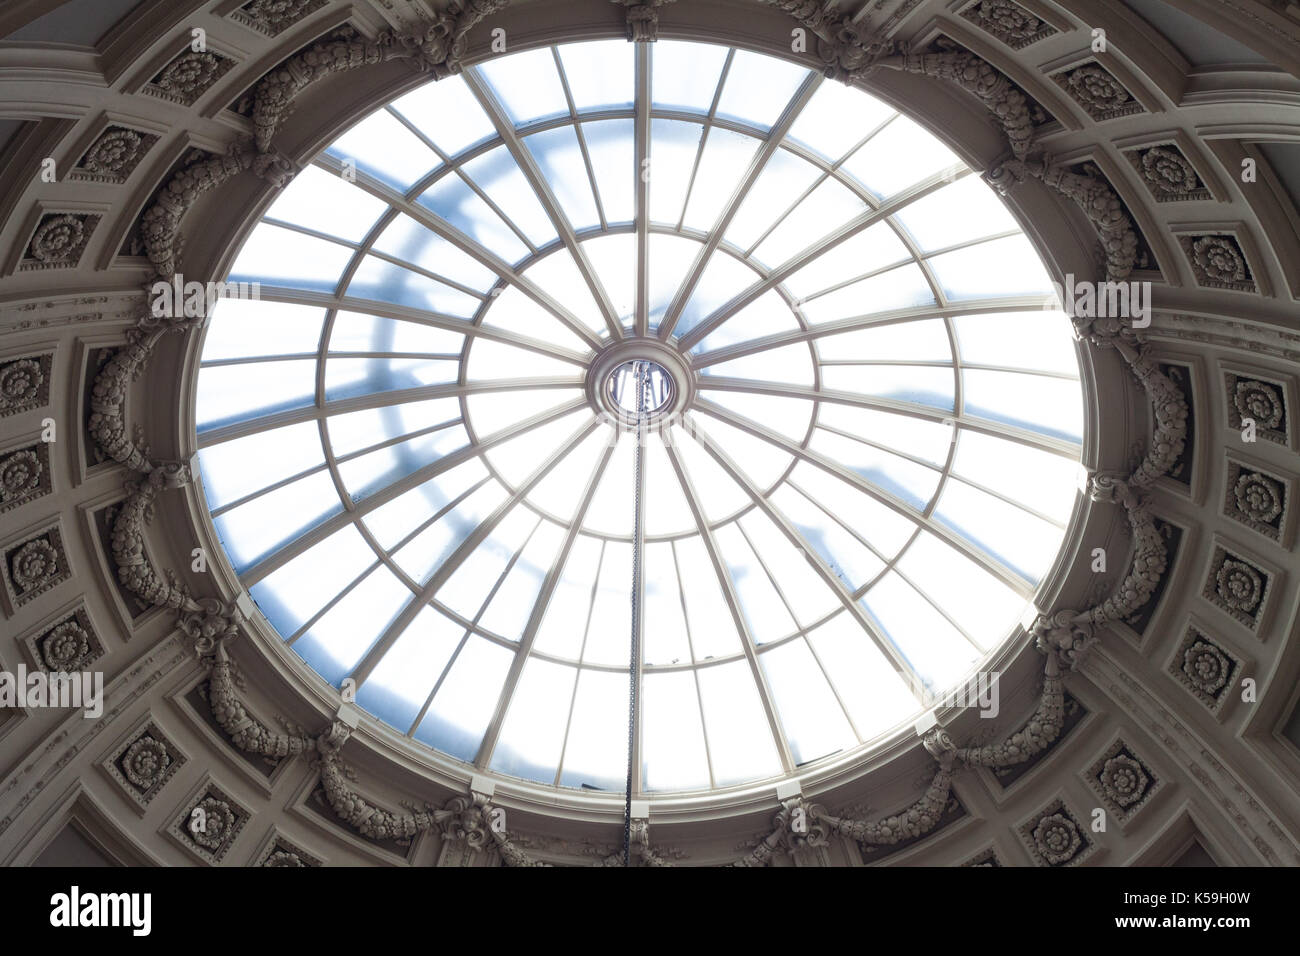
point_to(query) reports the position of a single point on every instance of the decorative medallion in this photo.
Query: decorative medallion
(1237, 586)
(1009, 22)
(1096, 89)
(189, 76)
(34, 565)
(1054, 837)
(114, 155)
(1218, 262)
(273, 17)
(59, 241)
(68, 645)
(144, 764)
(210, 824)
(1205, 669)
(1122, 781)
(25, 383)
(1262, 402)
(1257, 499)
(1168, 174)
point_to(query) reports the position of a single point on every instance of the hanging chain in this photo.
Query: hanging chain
(642, 406)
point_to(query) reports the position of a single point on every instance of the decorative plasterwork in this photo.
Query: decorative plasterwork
(987, 858)
(209, 823)
(1261, 399)
(1054, 837)
(25, 383)
(643, 19)
(1122, 781)
(33, 565)
(1258, 498)
(279, 852)
(68, 644)
(144, 764)
(848, 50)
(188, 76)
(1167, 173)
(1208, 671)
(273, 17)
(1238, 587)
(1063, 637)
(1009, 22)
(59, 241)
(113, 156)
(1097, 90)
(1218, 261)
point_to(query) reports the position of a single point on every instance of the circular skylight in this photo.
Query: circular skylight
(415, 445)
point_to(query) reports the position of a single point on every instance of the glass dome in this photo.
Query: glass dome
(414, 445)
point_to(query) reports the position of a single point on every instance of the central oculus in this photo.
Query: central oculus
(621, 387)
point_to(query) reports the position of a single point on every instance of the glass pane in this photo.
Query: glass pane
(1052, 406)
(385, 282)
(560, 159)
(875, 695)
(277, 328)
(411, 242)
(498, 175)
(256, 528)
(274, 255)
(527, 85)
(599, 73)
(765, 613)
(467, 699)
(837, 118)
(900, 155)
(448, 113)
(233, 393)
(758, 88)
(665, 621)
(613, 163)
(452, 199)
(934, 648)
(335, 644)
(673, 147)
(904, 287)
(1016, 538)
(1007, 266)
(564, 625)
(985, 607)
(291, 594)
(673, 755)
(237, 468)
(324, 202)
(740, 740)
(960, 212)
(382, 147)
(532, 735)
(725, 158)
(401, 682)
(685, 75)
(1029, 340)
(595, 756)
(814, 722)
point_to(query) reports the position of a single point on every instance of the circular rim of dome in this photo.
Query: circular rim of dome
(828, 771)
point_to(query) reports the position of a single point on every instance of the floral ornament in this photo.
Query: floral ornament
(1218, 259)
(1168, 172)
(1259, 401)
(1123, 780)
(1012, 23)
(1239, 585)
(33, 564)
(58, 238)
(284, 858)
(1096, 89)
(275, 13)
(144, 762)
(1258, 498)
(114, 151)
(20, 382)
(190, 74)
(1207, 667)
(1057, 839)
(19, 474)
(210, 829)
(66, 648)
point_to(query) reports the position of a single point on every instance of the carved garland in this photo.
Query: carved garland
(848, 54)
